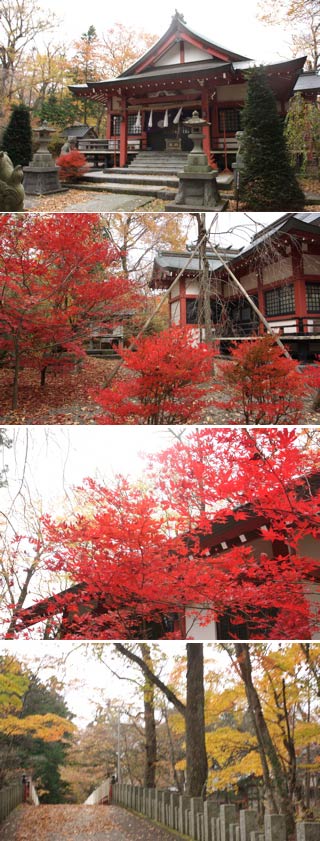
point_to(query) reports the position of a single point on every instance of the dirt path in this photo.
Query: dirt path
(80, 823)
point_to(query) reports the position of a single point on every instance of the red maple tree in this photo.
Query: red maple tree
(141, 555)
(169, 381)
(72, 165)
(265, 386)
(58, 282)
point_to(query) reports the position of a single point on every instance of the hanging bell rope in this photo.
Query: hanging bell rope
(150, 121)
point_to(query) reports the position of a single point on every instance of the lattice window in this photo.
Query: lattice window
(192, 310)
(280, 301)
(132, 118)
(132, 129)
(313, 297)
(116, 125)
(229, 120)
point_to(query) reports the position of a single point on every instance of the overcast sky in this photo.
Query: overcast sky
(89, 682)
(234, 25)
(58, 457)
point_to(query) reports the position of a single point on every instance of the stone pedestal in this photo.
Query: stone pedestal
(41, 177)
(198, 191)
(197, 183)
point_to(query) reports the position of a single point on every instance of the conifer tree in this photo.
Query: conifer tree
(17, 137)
(268, 181)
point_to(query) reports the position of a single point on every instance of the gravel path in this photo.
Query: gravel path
(80, 823)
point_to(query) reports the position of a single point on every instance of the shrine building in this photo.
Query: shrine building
(184, 71)
(279, 269)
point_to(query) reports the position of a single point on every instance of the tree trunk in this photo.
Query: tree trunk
(204, 300)
(196, 756)
(15, 386)
(193, 712)
(276, 788)
(149, 724)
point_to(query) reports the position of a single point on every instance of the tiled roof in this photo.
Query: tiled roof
(307, 82)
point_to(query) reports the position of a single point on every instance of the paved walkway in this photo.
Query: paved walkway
(80, 823)
(106, 202)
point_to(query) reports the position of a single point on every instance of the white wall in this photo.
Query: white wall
(231, 93)
(196, 631)
(192, 53)
(175, 312)
(192, 287)
(311, 263)
(288, 327)
(281, 270)
(171, 56)
(250, 281)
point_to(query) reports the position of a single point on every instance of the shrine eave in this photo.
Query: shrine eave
(200, 69)
(308, 82)
(306, 223)
(283, 75)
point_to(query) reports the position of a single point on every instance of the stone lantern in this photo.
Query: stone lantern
(42, 175)
(197, 183)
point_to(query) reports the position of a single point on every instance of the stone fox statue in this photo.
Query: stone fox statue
(11, 189)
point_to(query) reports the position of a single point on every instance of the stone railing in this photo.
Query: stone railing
(10, 797)
(33, 795)
(205, 820)
(102, 794)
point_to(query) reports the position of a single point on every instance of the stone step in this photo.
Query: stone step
(224, 180)
(149, 154)
(125, 177)
(128, 189)
(162, 159)
(157, 170)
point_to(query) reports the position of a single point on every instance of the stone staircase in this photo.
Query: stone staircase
(164, 163)
(154, 174)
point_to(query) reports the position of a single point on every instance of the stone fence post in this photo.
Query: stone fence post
(308, 831)
(275, 828)
(228, 815)
(196, 807)
(210, 812)
(205, 820)
(248, 823)
(183, 809)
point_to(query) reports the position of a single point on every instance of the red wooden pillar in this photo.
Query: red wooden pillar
(183, 303)
(300, 295)
(261, 305)
(206, 129)
(108, 121)
(123, 133)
